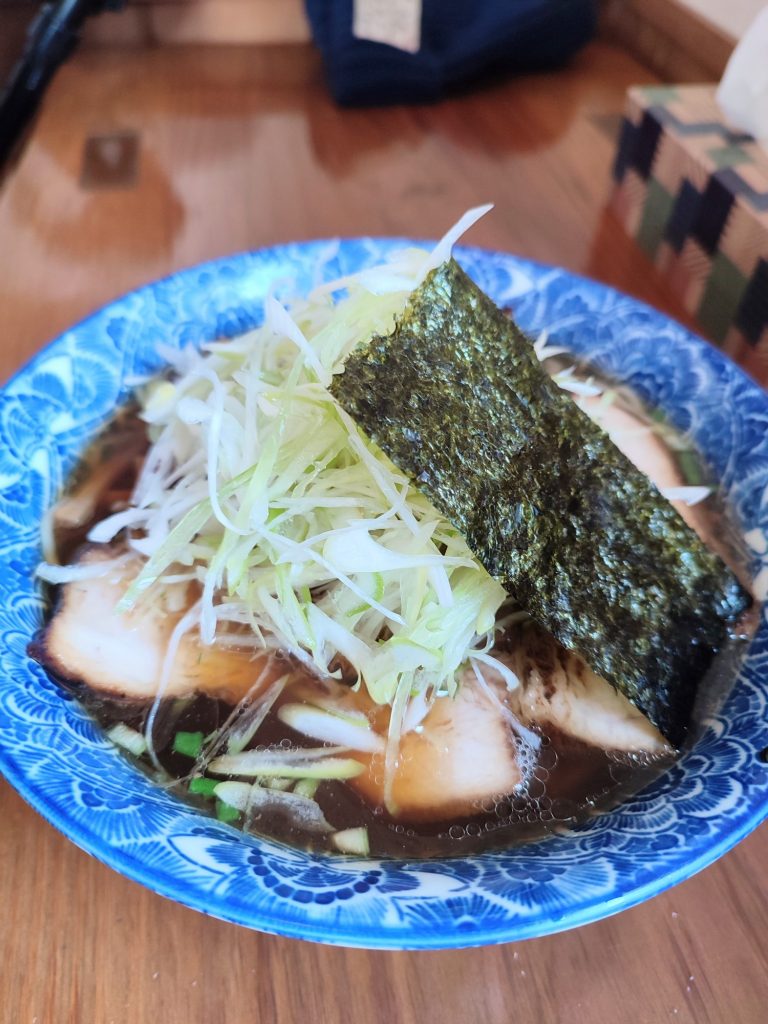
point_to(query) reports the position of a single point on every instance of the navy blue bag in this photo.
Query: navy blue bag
(460, 41)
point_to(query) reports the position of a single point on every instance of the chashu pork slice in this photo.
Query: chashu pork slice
(461, 754)
(121, 655)
(558, 689)
(648, 453)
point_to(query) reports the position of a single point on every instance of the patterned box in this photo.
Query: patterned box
(695, 196)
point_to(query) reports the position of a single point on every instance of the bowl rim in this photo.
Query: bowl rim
(364, 937)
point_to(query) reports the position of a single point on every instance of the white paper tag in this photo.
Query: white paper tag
(394, 22)
(743, 92)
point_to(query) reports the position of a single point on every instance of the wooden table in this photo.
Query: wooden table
(239, 149)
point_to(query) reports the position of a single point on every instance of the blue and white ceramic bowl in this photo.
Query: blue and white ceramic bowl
(51, 752)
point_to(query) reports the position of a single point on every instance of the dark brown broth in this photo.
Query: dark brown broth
(571, 782)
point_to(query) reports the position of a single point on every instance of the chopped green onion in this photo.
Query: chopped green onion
(190, 744)
(202, 786)
(129, 739)
(352, 840)
(234, 794)
(226, 813)
(307, 788)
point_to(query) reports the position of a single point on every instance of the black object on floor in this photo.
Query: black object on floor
(51, 37)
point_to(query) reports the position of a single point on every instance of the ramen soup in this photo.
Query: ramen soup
(312, 582)
(528, 742)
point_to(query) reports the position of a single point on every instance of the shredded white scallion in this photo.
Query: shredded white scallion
(262, 490)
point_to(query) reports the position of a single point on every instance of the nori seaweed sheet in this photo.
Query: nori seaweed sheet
(456, 398)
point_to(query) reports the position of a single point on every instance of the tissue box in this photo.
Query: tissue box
(694, 194)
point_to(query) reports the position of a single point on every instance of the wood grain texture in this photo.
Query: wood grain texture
(179, 22)
(238, 149)
(672, 38)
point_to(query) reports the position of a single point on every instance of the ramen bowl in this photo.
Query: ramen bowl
(56, 757)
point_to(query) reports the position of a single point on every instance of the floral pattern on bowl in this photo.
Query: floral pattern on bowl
(57, 759)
